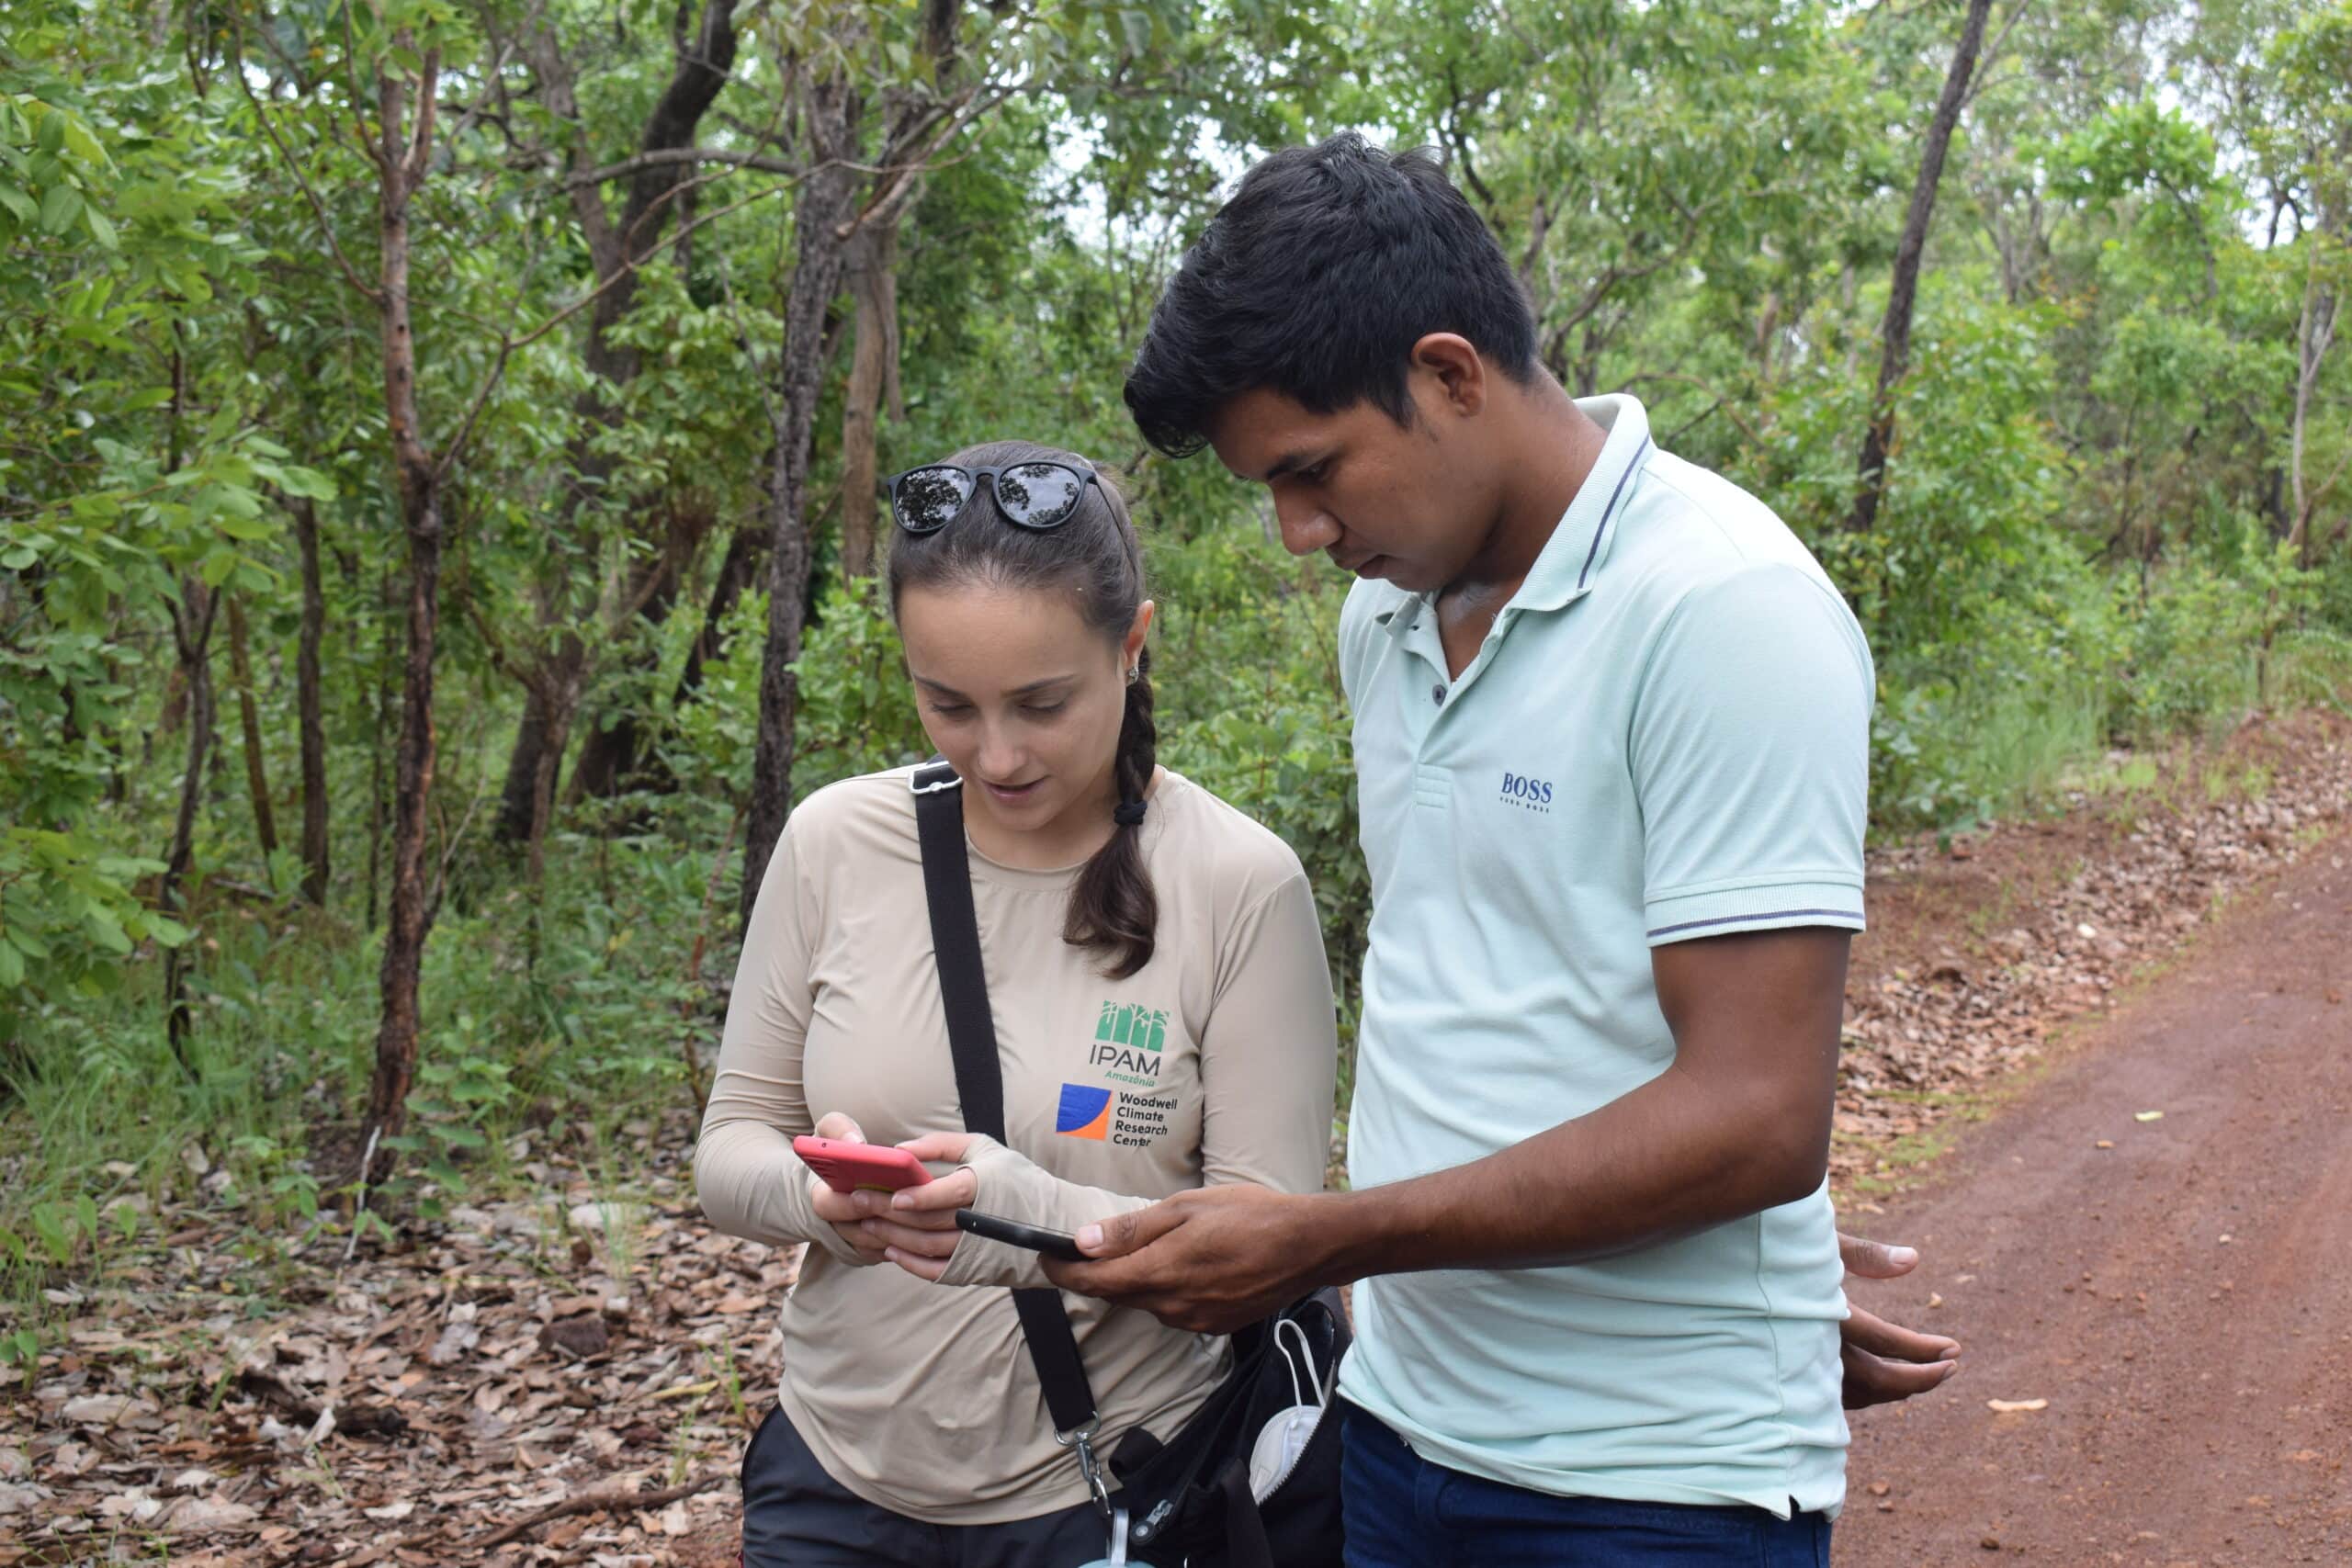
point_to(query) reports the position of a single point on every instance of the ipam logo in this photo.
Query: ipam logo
(1533, 795)
(1129, 1043)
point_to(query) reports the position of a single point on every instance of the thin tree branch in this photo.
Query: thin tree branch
(617, 1498)
(743, 338)
(478, 110)
(326, 224)
(668, 156)
(1993, 53)
(420, 143)
(508, 346)
(882, 208)
(1723, 401)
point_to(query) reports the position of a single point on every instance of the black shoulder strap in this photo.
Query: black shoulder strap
(979, 1077)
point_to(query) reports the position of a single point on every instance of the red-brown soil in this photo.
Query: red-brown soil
(2178, 1289)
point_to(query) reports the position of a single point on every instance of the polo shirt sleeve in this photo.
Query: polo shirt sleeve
(1749, 749)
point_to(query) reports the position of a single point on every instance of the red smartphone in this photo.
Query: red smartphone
(846, 1168)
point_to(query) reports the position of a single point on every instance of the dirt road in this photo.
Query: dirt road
(2179, 1288)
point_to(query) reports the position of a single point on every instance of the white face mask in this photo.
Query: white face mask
(1281, 1439)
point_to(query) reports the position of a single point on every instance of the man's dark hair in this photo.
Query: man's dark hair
(1315, 280)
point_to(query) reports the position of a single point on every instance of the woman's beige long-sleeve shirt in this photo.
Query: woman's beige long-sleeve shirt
(1212, 1064)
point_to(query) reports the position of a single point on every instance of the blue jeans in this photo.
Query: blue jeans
(1404, 1512)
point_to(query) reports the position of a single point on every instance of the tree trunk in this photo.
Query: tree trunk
(824, 205)
(2315, 333)
(612, 759)
(737, 571)
(309, 701)
(1895, 335)
(241, 667)
(192, 636)
(872, 267)
(514, 807)
(382, 729)
(559, 694)
(404, 162)
(703, 59)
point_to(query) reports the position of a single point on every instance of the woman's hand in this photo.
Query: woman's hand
(846, 1211)
(915, 1228)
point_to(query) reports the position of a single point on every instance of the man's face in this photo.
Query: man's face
(1399, 503)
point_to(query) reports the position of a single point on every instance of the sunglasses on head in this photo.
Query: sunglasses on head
(1030, 495)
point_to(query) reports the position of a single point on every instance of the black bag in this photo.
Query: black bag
(1191, 1493)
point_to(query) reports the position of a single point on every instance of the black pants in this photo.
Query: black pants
(795, 1516)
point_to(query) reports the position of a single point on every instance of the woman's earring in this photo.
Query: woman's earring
(1135, 673)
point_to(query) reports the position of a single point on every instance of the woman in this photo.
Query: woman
(1163, 1016)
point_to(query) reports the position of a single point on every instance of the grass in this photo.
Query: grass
(2026, 746)
(96, 1108)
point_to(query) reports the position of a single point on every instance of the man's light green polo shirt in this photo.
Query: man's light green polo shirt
(1665, 737)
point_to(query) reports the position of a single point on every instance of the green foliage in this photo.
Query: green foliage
(858, 709)
(1249, 705)
(116, 486)
(2079, 546)
(459, 1089)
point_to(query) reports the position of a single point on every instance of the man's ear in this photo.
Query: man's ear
(1458, 369)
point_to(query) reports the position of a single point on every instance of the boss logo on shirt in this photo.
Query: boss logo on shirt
(1532, 794)
(1128, 1044)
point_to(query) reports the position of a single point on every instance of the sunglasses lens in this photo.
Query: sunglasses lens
(1038, 495)
(929, 499)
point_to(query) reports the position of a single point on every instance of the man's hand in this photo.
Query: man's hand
(1885, 1363)
(1208, 1261)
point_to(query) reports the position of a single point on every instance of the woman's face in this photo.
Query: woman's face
(1023, 698)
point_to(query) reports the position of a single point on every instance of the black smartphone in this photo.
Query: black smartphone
(1052, 1243)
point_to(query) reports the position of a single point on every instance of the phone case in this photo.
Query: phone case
(1036, 1239)
(846, 1168)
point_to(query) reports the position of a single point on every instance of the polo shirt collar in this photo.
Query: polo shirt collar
(1573, 557)
(1579, 546)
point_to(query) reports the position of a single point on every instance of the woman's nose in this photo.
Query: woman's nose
(1000, 757)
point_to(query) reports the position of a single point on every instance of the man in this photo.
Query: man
(1611, 728)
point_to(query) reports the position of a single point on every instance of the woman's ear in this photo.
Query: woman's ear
(1131, 647)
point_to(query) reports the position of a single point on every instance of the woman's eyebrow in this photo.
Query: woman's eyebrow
(1031, 689)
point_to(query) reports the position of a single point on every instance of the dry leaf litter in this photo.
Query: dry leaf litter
(571, 1381)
